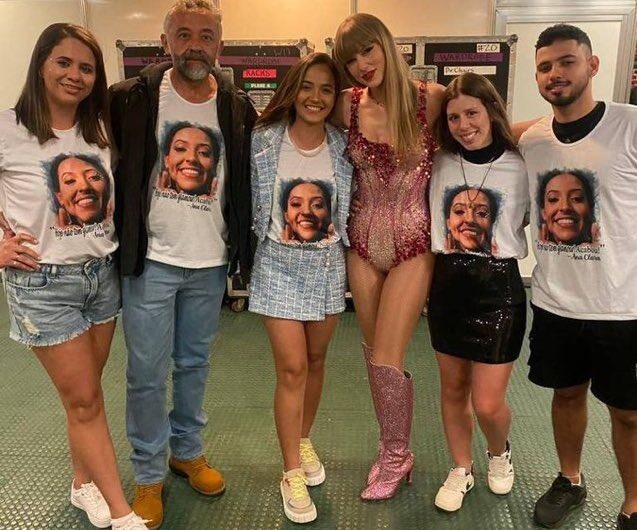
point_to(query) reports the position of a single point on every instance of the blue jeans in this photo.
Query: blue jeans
(169, 313)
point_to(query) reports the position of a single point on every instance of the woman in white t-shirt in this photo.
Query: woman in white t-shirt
(61, 283)
(300, 196)
(477, 309)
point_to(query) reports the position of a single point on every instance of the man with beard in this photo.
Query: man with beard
(584, 296)
(175, 253)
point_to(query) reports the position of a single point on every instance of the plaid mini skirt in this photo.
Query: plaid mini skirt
(298, 282)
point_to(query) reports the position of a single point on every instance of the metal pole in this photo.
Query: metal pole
(84, 11)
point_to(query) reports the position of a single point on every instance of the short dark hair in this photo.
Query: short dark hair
(215, 139)
(563, 32)
(182, 6)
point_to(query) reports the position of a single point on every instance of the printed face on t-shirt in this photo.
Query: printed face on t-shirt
(469, 222)
(566, 206)
(306, 212)
(81, 188)
(190, 160)
(470, 215)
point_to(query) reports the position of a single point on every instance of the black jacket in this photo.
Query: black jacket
(134, 106)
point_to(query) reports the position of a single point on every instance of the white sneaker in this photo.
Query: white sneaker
(132, 521)
(89, 498)
(310, 463)
(501, 475)
(297, 503)
(452, 492)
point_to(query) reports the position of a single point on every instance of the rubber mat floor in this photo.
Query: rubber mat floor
(240, 440)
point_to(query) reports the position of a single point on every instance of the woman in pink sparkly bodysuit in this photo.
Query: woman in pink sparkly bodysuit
(390, 264)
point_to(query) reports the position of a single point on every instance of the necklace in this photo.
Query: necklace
(369, 94)
(484, 179)
(310, 151)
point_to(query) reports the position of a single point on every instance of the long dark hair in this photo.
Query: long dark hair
(281, 106)
(32, 108)
(477, 86)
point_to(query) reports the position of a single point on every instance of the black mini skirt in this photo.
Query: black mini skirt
(477, 308)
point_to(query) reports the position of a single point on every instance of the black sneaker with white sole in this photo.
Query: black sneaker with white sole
(562, 497)
(627, 522)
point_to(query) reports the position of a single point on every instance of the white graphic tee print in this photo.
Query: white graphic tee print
(61, 191)
(80, 190)
(186, 223)
(566, 203)
(304, 198)
(305, 211)
(479, 209)
(191, 155)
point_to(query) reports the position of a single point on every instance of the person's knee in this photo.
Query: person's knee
(292, 374)
(456, 392)
(146, 373)
(316, 362)
(489, 409)
(624, 418)
(190, 362)
(575, 396)
(84, 405)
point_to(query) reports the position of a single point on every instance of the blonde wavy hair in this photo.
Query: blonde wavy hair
(356, 33)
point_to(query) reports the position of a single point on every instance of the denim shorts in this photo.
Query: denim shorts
(60, 302)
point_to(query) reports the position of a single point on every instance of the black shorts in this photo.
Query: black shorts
(566, 352)
(477, 308)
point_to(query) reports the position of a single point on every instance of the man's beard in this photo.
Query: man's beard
(196, 71)
(566, 100)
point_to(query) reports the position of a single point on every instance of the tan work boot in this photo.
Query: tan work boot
(203, 478)
(148, 504)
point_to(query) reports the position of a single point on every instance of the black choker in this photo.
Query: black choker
(484, 155)
(572, 131)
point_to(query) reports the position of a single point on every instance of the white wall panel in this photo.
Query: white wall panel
(431, 17)
(21, 22)
(283, 19)
(110, 20)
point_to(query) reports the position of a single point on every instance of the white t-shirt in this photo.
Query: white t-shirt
(186, 227)
(304, 198)
(61, 192)
(485, 218)
(583, 199)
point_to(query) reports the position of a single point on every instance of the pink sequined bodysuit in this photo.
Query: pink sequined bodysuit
(393, 223)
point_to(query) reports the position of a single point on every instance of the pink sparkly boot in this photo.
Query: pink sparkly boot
(393, 394)
(373, 472)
